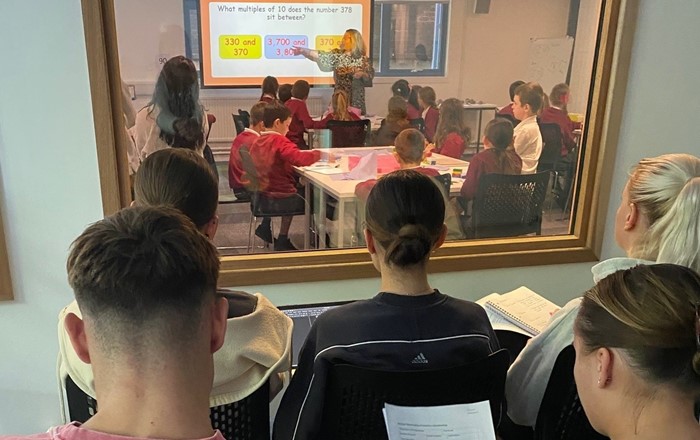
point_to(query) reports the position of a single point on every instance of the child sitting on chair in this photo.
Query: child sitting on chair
(409, 152)
(429, 111)
(301, 120)
(274, 155)
(245, 139)
(498, 156)
(452, 136)
(395, 122)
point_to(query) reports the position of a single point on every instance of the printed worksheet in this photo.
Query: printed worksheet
(469, 421)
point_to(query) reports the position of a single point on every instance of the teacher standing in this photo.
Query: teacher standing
(352, 70)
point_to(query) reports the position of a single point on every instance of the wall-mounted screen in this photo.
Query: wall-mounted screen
(244, 41)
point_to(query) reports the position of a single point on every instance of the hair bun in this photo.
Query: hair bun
(412, 245)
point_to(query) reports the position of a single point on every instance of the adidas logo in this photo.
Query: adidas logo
(420, 359)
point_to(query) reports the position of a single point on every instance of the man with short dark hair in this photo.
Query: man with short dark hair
(145, 281)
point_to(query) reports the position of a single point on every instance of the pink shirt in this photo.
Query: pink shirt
(73, 431)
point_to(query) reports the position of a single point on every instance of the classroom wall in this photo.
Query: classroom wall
(486, 52)
(50, 185)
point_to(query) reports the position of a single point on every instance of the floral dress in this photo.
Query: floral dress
(344, 66)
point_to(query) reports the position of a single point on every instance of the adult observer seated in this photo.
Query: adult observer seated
(258, 335)
(405, 216)
(658, 221)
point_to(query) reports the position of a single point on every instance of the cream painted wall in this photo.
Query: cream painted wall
(49, 177)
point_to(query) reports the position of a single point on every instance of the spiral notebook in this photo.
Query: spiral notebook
(520, 310)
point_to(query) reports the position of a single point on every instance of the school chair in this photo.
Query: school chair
(247, 419)
(507, 205)
(245, 117)
(512, 341)
(418, 124)
(561, 415)
(444, 182)
(355, 396)
(349, 133)
(260, 205)
(238, 123)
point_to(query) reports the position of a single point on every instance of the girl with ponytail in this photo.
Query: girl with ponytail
(658, 221)
(409, 325)
(637, 341)
(498, 156)
(340, 108)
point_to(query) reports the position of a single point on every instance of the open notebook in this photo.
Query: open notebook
(520, 310)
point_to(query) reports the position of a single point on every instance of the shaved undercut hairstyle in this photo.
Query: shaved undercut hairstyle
(143, 277)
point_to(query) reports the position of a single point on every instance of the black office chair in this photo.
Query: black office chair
(507, 205)
(238, 123)
(262, 206)
(418, 124)
(561, 415)
(512, 341)
(247, 419)
(355, 396)
(349, 133)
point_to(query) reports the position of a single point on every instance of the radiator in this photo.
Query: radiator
(224, 130)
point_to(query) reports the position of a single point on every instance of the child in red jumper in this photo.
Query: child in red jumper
(452, 136)
(274, 156)
(409, 152)
(301, 120)
(236, 179)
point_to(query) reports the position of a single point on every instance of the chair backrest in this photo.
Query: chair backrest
(251, 173)
(512, 341)
(245, 117)
(238, 123)
(508, 117)
(551, 146)
(355, 396)
(247, 419)
(418, 124)
(508, 205)
(349, 133)
(561, 415)
(444, 181)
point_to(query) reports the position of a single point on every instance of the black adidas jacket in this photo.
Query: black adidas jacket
(389, 332)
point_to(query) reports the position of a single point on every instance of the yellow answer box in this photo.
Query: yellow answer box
(328, 42)
(240, 46)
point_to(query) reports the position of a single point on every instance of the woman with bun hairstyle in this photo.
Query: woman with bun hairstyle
(405, 216)
(174, 117)
(637, 341)
(658, 221)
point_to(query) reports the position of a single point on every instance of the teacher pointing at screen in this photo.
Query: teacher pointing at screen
(352, 70)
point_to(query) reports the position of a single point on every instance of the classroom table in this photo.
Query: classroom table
(479, 109)
(343, 191)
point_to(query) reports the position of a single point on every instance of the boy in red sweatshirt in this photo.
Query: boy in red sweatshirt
(274, 156)
(301, 120)
(236, 179)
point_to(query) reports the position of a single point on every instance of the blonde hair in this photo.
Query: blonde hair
(358, 43)
(339, 102)
(666, 190)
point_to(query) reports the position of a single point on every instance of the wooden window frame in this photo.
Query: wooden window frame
(590, 208)
(5, 278)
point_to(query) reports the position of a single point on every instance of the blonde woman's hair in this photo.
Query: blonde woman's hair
(359, 49)
(666, 190)
(339, 102)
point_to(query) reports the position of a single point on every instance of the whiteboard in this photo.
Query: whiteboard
(549, 61)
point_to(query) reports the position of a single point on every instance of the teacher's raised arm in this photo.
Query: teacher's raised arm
(352, 70)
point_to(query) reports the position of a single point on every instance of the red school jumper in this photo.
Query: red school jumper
(274, 157)
(452, 146)
(301, 121)
(567, 126)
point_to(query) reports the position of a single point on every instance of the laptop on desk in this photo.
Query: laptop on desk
(303, 316)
